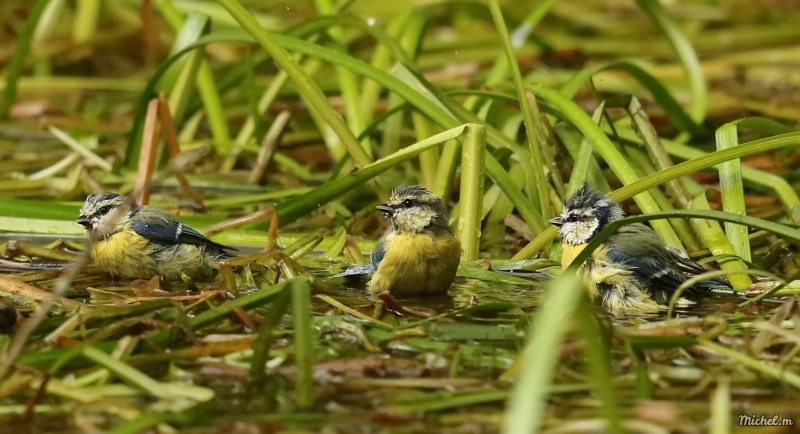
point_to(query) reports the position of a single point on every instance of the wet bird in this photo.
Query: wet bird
(133, 241)
(633, 270)
(418, 254)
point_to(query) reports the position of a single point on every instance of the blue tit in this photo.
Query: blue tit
(418, 254)
(633, 271)
(133, 241)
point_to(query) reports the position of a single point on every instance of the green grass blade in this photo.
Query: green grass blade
(17, 64)
(302, 205)
(673, 110)
(526, 209)
(711, 234)
(263, 340)
(348, 83)
(580, 170)
(307, 87)
(500, 68)
(471, 197)
(721, 414)
(783, 190)
(303, 342)
(597, 358)
(541, 192)
(205, 83)
(686, 53)
(84, 27)
(730, 182)
(525, 411)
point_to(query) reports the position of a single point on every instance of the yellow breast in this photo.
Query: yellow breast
(569, 253)
(417, 264)
(124, 254)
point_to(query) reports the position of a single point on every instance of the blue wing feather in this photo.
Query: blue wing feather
(375, 259)
(162, 227)
(649, 270)
(378, 253)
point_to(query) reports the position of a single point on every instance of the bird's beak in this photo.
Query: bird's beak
(556, 221)
(386, 209)
(84, 221)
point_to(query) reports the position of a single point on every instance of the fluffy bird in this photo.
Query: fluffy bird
(632, 271)
(418, 254)
(133, 241)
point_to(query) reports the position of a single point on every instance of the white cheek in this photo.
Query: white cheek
(578, 232)
(104, 224)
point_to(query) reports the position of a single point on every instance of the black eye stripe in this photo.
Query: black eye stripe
(102, 211)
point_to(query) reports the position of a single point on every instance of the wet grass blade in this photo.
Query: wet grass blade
(249, 301)
(721, 414)
(303, 342)
(711, 234)
(144, 382)
(598, 361)
(263, 340)
(730, 182)
(764, 367)
(525, 411)
(471, 197)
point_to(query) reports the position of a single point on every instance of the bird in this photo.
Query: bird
(139, 242)
(633, 270)
(418, 254)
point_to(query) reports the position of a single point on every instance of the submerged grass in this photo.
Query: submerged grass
(307, 114)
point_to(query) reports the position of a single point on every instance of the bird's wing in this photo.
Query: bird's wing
(640, 248)
(160, 226)
(358, 270)
(375, 258)
(688, 266)
(658, 275)
(378, 253)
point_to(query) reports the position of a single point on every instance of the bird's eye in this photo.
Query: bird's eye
(572, 218)
(408, 203)
(104, 210)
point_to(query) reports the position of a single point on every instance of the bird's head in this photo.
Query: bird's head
(102, 214)
(586, 213)
(415, 209)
